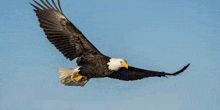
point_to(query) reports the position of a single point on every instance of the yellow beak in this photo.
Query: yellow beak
(124, 64)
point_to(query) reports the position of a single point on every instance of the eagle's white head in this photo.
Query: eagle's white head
(116, 63)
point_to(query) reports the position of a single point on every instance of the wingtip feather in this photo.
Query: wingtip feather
(40, 5)
(45, 4)
(34, 6)
(180, 71)
(55, 5)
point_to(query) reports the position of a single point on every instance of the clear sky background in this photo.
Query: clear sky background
(162, 35)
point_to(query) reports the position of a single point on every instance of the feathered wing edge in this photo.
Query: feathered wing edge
(178, 72)
(63, 34)
(58, 29)
(133, 73)
(48, 5)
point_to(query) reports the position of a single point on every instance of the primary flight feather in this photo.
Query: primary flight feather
(73, 44)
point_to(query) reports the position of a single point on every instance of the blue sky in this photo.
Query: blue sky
(156, 35)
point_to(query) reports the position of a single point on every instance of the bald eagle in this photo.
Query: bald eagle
(73, 44)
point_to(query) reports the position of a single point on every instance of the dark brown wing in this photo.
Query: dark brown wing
(133, 73)
(61, 32)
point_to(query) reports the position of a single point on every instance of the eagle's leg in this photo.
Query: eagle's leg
(71, 77)
(78, 78)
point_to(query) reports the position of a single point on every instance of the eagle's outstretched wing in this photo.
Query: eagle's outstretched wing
(133, 73)
(61, 32)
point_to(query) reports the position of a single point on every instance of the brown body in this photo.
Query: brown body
(94, 66)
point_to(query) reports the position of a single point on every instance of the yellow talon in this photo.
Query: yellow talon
(78, 78)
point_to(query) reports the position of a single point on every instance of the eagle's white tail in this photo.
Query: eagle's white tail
(67, 77)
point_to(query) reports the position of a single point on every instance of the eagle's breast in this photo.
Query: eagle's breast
(94, 66)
